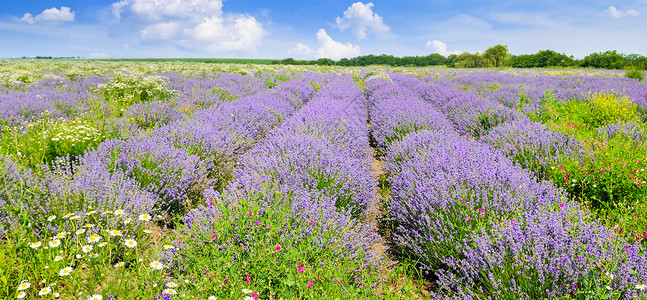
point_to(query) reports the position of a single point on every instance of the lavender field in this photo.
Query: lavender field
(166, 180)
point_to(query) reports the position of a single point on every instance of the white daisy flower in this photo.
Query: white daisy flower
(94, 238)
(21, 295)
(86, 248)
(119, 264)
(58, 258)
(156, 265)
(115, 232)
(23, 286)
(247, 291)
(130, 243)
(59, 235)
(119, 212)
(51, 218)
(147, 231)
(171, 284)
(80, 231)
(45, 291)
(169, 291)
(168, 247)
(212, 298)
(54, 243)
(144, 217)
(102, 244)
(35, 245)
(95, 297)
(127, 221)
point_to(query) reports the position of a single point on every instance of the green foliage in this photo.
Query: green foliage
(497, 55)
(124, 90)
(92, 247)
(245, 250)
(635, 73)
(542, 59)
(604, 60)
(44, 139)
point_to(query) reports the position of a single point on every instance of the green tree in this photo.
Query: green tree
(497, 56)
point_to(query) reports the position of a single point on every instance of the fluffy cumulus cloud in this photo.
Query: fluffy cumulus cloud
(50, 15)
(329, 48)
(192, 24)
(441, 48)
(360, 18)
(301, 49)
(616, 13)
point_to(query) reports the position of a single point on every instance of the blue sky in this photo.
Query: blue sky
(316, 28)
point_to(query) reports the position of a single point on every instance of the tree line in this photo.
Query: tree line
(495, 56)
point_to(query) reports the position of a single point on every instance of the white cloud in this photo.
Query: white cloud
(192, 24)
(360, 17)
(441, 48)
(301, 49)
(614, 12)
(329, 48)
(98, 55)
(52, 15)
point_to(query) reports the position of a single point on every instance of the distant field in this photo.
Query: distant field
(202, 60)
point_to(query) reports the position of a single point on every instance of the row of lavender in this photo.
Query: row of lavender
(528, 92)
(303, 192)
(318, 162)
(481, 225)
(160, 172)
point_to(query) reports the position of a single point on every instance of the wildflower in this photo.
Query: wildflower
(119, 212)
(91, 212)
(94, 238)
(156, 265)
(247, 291)
(59, 235)
(58, 258)
(309, 283)
(35, 245)
(127, 221)
(45, 291)
(51, 218)
(119, 264)
(54, 243)
(147, 231)
(115, 232)
(67, 215)
(56, 295)
(248, 298)
(130, 243)
(74, 217)
(171, 284)
(94, 255)
(79, 256)
(169, 292)
(86, 248)
(23, 286)
(102, 244)
(88, 225)
(144, 217)
(277, 247)
(641, 286)
(80, 231)
(300, 269)
(168, 247)
(21, 295)
(65, 271)
(95, 297)
(212, 298)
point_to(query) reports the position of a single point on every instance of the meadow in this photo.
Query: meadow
(204, 180)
